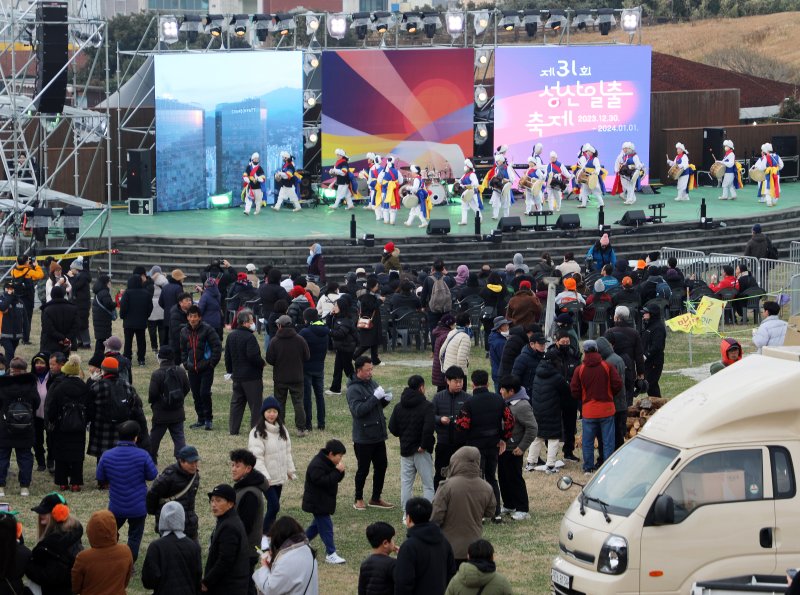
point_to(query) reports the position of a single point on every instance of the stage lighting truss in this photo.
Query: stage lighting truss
(482, 58)
(631, 19)
(360, 24)
(531, 19)
(284, 23)
(455, 23)
(191, 26)
(430, 23)
(238, 25)
(310, 62)
(212, 24)
(168, 29)
(262, 25)
(412, 21)
(480, 21)
(510, 20)
(582, 20)
(88, 34)
(481, 133)
(310, 137)
(605, 20)
(311, 98)
(337, 25)
(556, 20)
(481, 96)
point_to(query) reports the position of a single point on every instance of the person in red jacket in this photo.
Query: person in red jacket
(729, 280)
(595, 383)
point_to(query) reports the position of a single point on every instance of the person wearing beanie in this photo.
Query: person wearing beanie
(602, 253)
(112, 347)
(270, 443)
(524, 307)
(12, 327)
(245, 365)
(628, 295)
(177, 483)
(390, 259)
(599, 295)
(104, 312)
(56, 278)
(159, 570)
(134, 310)
(569, 295)
(759, 245)
(168, 388)
(59, 323)
(21, 390)
(772, 330)
(317, 336)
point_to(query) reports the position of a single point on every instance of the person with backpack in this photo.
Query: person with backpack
(370, 329)
(12, 311)
(169, 386)
(18, 403)
(178, 482)
(300, 301)
(759, 245)
(435, 295)
(65, 413)
(244, 363)
(200, 353)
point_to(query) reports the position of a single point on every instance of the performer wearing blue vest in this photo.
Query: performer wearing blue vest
(390, 180)
(686, 179)
(288, 182)
(471, 195)
(558, 177)
(590, 164)
(344, 180)
(501, 196)
(733, 176)
(374, 164)
(423, 208)
(628, 168)
(537, 171)
(769, 191)
(252, 180)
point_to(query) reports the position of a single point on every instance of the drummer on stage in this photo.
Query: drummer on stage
(628, 167)
(252, 179)
(687, 171)
(536, 172)
(499, 198)
(374, 164)
(390, 180)
(287, 180)
(733, 173)
(769, 191)
(589, 164)
(558, 176)
(423, 207)
(469, 182)
(344, 182)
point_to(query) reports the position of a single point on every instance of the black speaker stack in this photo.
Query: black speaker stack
(139, 182)
(52, 53)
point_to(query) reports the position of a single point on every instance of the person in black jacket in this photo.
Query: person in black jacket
(168, 412)
(201, 350)
(316, 334)
(412, 422)
(59, 322)
(227, 569)
(172, 565)
(425, 562)
(134, 309)
(527, 361)
(13, 323)
(176, 320)
(250, 486)
(566, 358)
(626, 340)
(103, 312)
(81, 280)
(270, 292)
(550, 396)
(324, 474)
(19, 390)
(447, 405)
(345, 341)
(170, 296)
(518, 338)
(370, 338)
(654, 340)
(178, 483)
(376, 575)
(244, 363)
(50, 564)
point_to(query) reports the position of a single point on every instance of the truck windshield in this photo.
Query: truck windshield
(625, 479)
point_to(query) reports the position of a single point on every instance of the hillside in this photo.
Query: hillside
(763, 45)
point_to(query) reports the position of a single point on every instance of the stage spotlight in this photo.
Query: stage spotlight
(284, 22)
(168, 29)
(431, 22)
(605, 20)
(311, 136)
(631, 17)
(238, 25)
(191, 26)
(310, 98)
(71, 216)
(215, 30)
(582, 19)
(262, 23)
(41, 223)
(413, 21)
(312, 23)
(557, 20)
(480, 21)
(482, 57)
(510, 20)
(310, 62)
(361, 20)
(455, 23)
(382, 21)
(481, 96)
(337, 25)
(531, 21)
(481, 134)
(212, 23)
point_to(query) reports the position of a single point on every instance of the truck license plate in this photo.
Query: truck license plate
(561, 579)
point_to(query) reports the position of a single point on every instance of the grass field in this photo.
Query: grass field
(524, 550)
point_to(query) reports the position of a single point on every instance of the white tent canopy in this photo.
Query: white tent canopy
(138, 91)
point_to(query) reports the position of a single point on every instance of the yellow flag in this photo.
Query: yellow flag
(704, 320)
(683, 323)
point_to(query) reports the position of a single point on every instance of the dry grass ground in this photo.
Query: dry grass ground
(524, 550)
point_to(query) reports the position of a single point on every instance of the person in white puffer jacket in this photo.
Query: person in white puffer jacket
(772, 330)
(455, 349)
(269, 441)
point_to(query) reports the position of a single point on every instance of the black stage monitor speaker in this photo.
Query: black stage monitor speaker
(52, 53)
(139, 173)
(509, 224)
(568, 221)
(438, 227)
(786, 146)
(712, 146)
(633, 218)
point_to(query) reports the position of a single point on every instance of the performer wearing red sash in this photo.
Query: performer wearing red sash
(344, 180)
(769, 191)
(288, 182)
(390, 180)
(252, 178)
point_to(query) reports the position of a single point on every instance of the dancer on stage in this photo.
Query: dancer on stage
(252, 179)
(687, 179)
(390, 180)
(469, 182)
(374, 162)
(733, 172)
(769, 191)
(344, 180)
(288, 180)
(628, 167)
(423, 208)
(501, 195)
(558, 176)
(590, 165)
(537, 171)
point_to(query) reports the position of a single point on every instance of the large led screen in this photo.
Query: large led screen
(213, 110)
(564, 97)
(414, 104)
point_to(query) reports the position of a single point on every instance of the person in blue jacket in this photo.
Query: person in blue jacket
(497, 341)
(602, 253)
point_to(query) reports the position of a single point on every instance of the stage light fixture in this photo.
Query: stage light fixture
(212, 23)
(482, 57)
(382, 21)
(480, 21)
(71, 217)
(220, 200)
(310, 98)
(337, 25)
(531, 21)
(431, 22)
(191, 25)
(510, 20)
(631, 17)
(481, 134)
(262, 23)
(310, 62)
(311, 136)
(582, 19)
(361, 20)
(413, 21)
(238, 25)
(312, 24)
(557, 20)
(455, 23)
(168, 29)
(481, 96)
(284, 22)
(605, 20)
(41, 223)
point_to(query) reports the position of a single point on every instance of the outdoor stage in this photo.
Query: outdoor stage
(324, 223)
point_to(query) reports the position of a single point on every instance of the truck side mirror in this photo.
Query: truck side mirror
(664, 510)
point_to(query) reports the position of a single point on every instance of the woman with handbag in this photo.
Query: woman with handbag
(345, 341)
(104, 312)
(370, 331)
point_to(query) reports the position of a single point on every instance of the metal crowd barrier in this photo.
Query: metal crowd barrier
(775, 276)
(715, 261)
(689, 261)
(795, 303)
(794, 251)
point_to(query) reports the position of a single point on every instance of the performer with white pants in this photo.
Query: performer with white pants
(252, 178)
(469, 181)
(769, 191)
(590, 164)
(682, 161)
(558, 176)
(418, 189)
(628, 167)
(730, 182)
(341, 169)
(500, 198)
(288, 183)
(536, 171)
(374, 162)
(390, 180)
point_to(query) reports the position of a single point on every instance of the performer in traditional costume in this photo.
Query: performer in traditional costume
(769, 191)
(537, 171)
(374, 165)
(733, 172)
(471, 195)
(390, 180)
(558, 177)
(687, 178)
(252, 180)
(628, 168)
(425, 204)
(589, 165)
(501, 193)
(344, 180)
(288, 181)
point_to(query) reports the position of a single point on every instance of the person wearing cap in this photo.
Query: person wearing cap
(81, 281)
(168, 388)
(390, 257)
(345, 186)
(19, 390)
(126, 469)
(107, 566)
(557, 177)
(497, 341)
(112, 348)
(589, 163)
(654, 341)
(12, 327)
(65, 415)
(769, 191)
(173, 563)
(135, 307)
(469, 183)
(59, 322)
(524, 307)
(287, 353)
(156, 323)
(104, 312)
(177, 483)
(201, 350)
(772, 330)
(733, 176)
(602, 253)
(252, 274)
(51, 560)
(227, 570)
(526, 362)
(759, 245)
(594, 385)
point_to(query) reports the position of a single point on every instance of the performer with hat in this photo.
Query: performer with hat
(590, 165)
(769, 191)
(558, 176)
(390, 180)
(374, 163)
(501, 195)
(252, 180)
(288, 180)
(471, 195)
(344, 180)
(424, 205)
(536, 173)
(733, 172)
(628, 168)
(687, 179)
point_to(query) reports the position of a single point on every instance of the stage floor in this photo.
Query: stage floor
(323, 222)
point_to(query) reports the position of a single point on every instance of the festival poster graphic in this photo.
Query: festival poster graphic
(564, 97)
(214, 110)
(414, 104)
